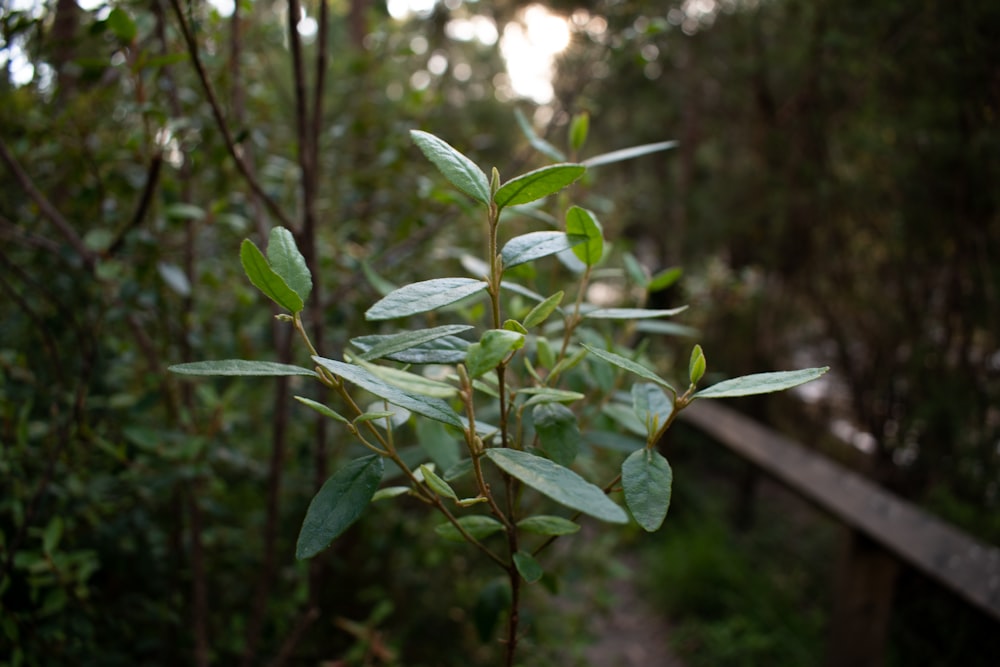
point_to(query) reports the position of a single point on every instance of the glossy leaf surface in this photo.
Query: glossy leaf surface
(423, 296)
(286, 261)
(537, 184)
(460, 170)
(264, 278)
(535, 245)
(558, 483)
(581, 222)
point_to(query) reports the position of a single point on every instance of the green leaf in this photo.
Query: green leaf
(626, 418)
(628, 153)
(286, 261)
(650, 404)
(535, 245)
(558, 483)
(436, 484)
(545, 524)
(581, 222)
(410, 382)
(537, 184)
(52, 535)
(541, 312)
(761, 383)
(664, 279)
(266, 280)
(579, 127)
(239, 367)
(631, 313)
(666, 328)
(460, 170)
(491, 349)
(558, 432)
(338, 504)
(395, 343)
(433, 408)
(122, 25)
(322, 409)
(175, 278)
(444, 350)
(629, 365)
(435, 440)
(647, 480)
(536, 141)
(477, 525)
(548, 395)
(528, 567)
(423, 296)
(181, 211)
(635, 270)
(696, 367)
(378, 283)
(390, 492)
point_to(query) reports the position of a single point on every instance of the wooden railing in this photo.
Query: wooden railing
(885, 531)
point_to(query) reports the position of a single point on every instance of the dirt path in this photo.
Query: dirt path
(632, 634)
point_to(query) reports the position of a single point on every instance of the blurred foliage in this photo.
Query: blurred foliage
(834, 194)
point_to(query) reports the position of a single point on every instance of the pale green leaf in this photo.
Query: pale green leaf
(558, 483)
(761, 383)
(492, 348)
(581, 222)
(628, 153)
(286, 261)
(436, 484)
(423, 296)
(664, 279)
(434, 408)
(460, 170)
(545, 524)
(266, 280)
(477, 525)
(239, 367)
(410, 382)
(535, 245)
(322, 409)
(579, 127)
(631, 313)
(390, 492)
(651, 405)
(443, 350)
(549, 395)
(395, 343)
(647, 481)
(537, 184)
(536, 141)
(338, 504)
(697, 364)
(175, 278)
(629, 365)
(541, 312)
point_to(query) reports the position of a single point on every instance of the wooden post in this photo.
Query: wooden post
(862, 603)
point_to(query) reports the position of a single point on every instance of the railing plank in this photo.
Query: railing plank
(954, 559)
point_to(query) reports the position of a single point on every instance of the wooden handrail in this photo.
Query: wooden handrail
(955, 560)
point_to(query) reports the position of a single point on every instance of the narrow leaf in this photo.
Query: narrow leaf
(444, 350)
(535, 245)
(435, 440)
(528, 567)
(390, 492)
(423, 296)
(409, 382)
(322, 409)
(266, 280)
(537, 184)
(631, 313)
(536, 141)
(579, 127)
(549, 395)
(761, 383)
(286, 260)
(628, 153)
(541, 312)
(580, 221)
(436, 484)
(477, 525)
(434, 408)
(647, 480)
(239, 367)
(558, 483)
(664, 279)
(629, 365)
(392, 344)
(460, 170)
(545, 524)
(338, 504)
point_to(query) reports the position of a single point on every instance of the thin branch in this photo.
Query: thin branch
(50, 212)
(220, 120)
(152, 181)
